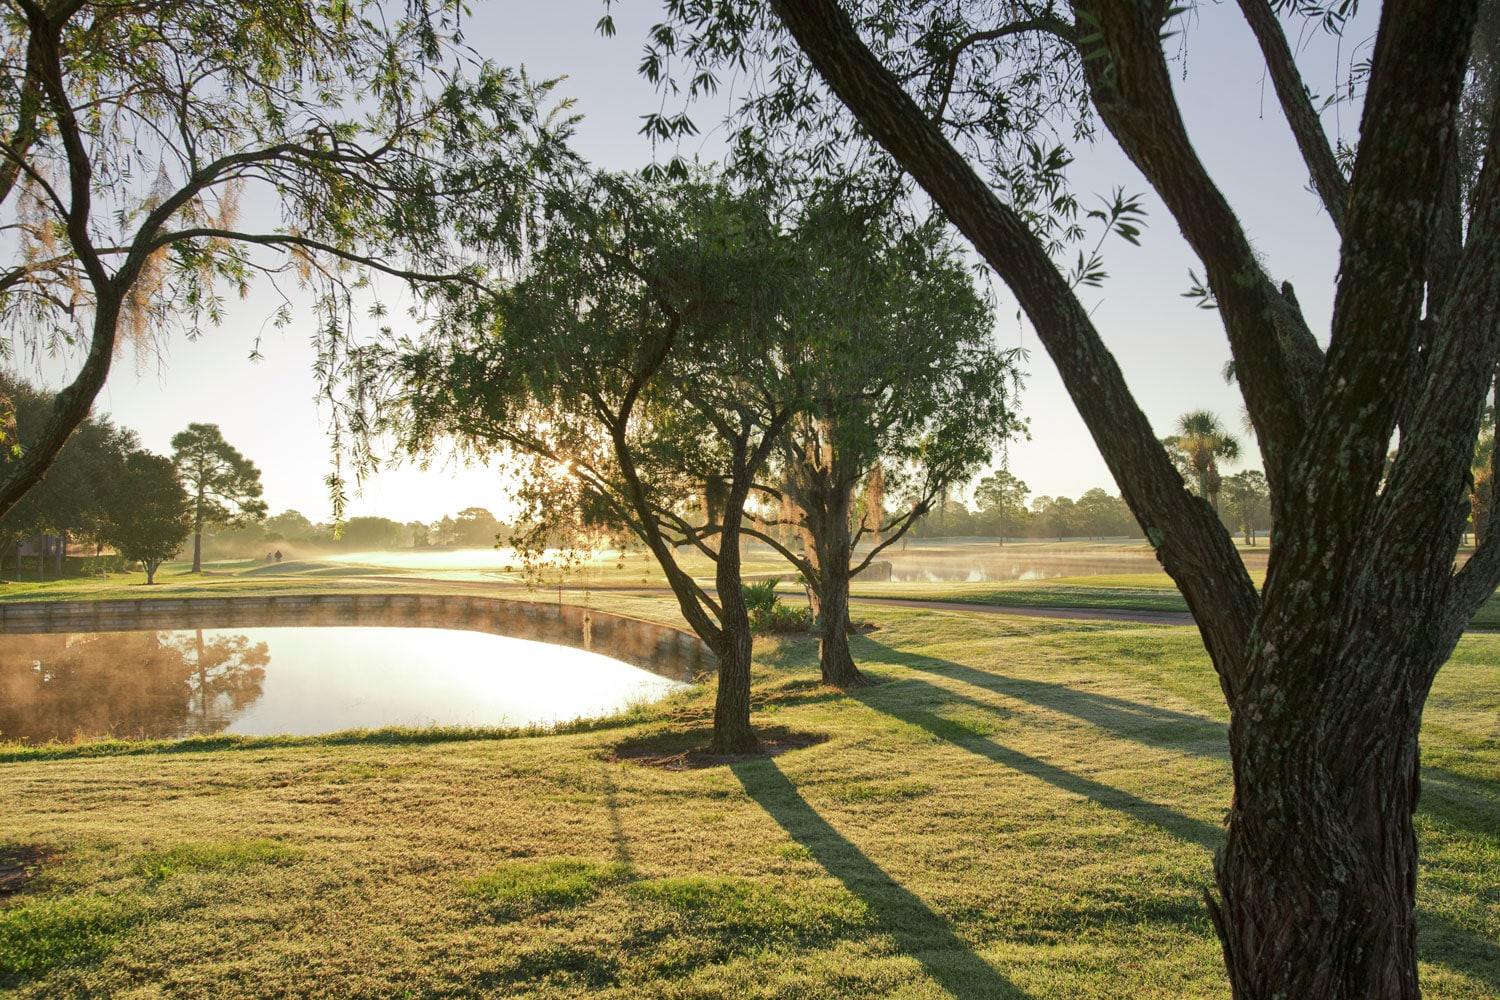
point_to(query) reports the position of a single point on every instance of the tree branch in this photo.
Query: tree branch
(1296, 106)
(1276, 356)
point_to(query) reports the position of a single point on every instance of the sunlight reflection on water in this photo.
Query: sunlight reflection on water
(301, 681)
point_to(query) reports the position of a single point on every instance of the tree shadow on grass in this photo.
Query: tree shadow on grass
(1463, 802)
(1445, 942)
(1459, 801)
(1206, 835)
(1148, 724)
(918, 931)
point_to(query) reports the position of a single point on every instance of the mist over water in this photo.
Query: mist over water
(917, 561)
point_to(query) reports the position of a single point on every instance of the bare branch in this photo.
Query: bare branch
(1297, 106)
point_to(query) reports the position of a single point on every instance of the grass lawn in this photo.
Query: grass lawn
(1022, 809)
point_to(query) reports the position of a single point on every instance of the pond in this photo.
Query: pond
(301, 666)
(300, 681)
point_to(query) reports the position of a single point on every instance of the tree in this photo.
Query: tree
(1327, 668)
(131, 133)
(909, 397)
(370, 533)
(289, 526)
(223, 485)
(149, 512)
(1202, 441)
(1004, 496)
(1058, 515)
(1248, 501)
(639, 373)
(1098, 513)
(478, 528)
(72, 502)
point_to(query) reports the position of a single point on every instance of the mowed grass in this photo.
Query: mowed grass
(1021, 809)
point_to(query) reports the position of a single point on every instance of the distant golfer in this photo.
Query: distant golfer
(278, 555)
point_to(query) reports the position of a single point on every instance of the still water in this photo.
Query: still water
(300, 681)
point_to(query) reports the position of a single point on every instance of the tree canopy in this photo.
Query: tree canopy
(152, 511)
(155, 157)
(907, 397)
(76, 499)
(637, 375)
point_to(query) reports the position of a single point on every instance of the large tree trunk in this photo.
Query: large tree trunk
(1317, 880)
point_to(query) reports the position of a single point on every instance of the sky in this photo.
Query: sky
(1171, 351)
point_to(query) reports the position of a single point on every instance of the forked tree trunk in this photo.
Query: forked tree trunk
(1327, 669)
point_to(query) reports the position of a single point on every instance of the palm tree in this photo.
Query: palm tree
(1202, 441)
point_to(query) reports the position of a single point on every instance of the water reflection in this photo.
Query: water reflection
(296, 680)
(143, 685)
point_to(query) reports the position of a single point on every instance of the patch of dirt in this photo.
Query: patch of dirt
(688, 751)
(18, 865)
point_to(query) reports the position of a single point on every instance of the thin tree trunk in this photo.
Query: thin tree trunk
(834, 659)
(198, 522)
(732, 731)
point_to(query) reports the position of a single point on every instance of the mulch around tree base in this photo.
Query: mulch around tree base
(18, 866)
(688, 751)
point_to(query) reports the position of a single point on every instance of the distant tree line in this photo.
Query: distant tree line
(470, 528)
(1003, 507)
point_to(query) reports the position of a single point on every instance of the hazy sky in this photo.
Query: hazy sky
(1171, 351)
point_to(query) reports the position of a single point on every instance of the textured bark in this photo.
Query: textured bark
(1317, 879)
(732, 731)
